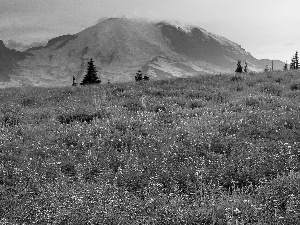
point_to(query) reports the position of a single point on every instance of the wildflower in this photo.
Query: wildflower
(236, 211)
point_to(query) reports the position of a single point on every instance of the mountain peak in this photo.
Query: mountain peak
(122, 46)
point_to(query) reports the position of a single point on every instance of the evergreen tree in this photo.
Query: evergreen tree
(296, 61)
(272, 65)
(91, 75)
(292, 65)
(285, 67)
(267, 68)
(239, 68)
(246, 67)
(74, 81)
(139, 76)
(146, 77)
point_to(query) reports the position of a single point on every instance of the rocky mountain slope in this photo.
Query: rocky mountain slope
(122, 46)
(9, 61)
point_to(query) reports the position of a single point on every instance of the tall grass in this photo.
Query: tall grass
(202, 150)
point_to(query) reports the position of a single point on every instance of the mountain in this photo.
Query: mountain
(9, 61)
(120, 47)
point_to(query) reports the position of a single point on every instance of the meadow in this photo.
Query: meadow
(221, 149)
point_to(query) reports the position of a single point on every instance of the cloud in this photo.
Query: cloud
(20, 46)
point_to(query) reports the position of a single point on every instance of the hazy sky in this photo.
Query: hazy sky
(265, 28)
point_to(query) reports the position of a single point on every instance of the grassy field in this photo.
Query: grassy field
(221, 149)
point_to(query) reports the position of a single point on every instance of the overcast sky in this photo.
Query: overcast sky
(265, 28)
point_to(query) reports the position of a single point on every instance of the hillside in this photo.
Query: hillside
(8, 61)
(220, 149)
(120, 47)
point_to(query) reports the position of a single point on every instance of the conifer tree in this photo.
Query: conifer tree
(74, 81)
(91, 75)
(296, 61)
(285, 67)
(139, 76)
(292, 65)
(267, 68)
(239, 68)
(246, 67)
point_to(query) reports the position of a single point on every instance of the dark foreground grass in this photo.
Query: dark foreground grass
(206, 150)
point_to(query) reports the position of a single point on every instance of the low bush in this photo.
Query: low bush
(193, 104)
(9, 120)
(270, 88)
(236, 78)
(295, 86)
(133, 105)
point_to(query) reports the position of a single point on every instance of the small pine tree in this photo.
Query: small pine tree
(139, 76)
(91, 75)
(285, 67)
(239, 68)
(146, 77)
(296, 61)
(74, 81)
(267, 68)
(292, 65)
(246, 67)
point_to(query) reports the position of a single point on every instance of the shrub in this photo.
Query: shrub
(68, 169)
(221, 97)
(92, 174)
(133, 105)
(273, 89)
(159, 108)
(252, 102)
(220, 146)
(118, 90)
(81, 117)
(295, 86)
(279, 80)
(29, 101)
(9, 120)
(236, 78)
(193, 104)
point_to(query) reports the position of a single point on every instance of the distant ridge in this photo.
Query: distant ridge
(8, 61)
(122, 46)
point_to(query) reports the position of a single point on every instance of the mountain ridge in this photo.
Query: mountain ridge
(120, 47)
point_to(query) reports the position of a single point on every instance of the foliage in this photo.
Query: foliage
(239, 68)
(201, 150)
(295, 64)
(246, 67)
(139, 76)
(91, 75)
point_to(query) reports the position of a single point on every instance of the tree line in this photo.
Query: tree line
(91, 76)
(294, 65)
(240, 68)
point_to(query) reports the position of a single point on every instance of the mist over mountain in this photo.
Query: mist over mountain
(120, 47)
(9, 61)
